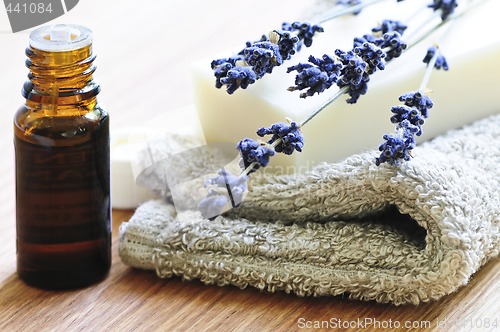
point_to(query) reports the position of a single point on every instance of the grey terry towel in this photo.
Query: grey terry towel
(406, 234)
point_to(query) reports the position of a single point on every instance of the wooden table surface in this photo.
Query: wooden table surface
(144, 50)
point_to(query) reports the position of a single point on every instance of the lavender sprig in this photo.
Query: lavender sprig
(317, 76)
(261, 57)
(410, 116)
(254, 153)
(352, 68)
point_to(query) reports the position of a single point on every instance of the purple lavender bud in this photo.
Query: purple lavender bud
(441, 62)
(237, 77)
(227, 73)
(353, 69)
(359, 41)
(316, 77)
(287, 43)
(409, 129)
(390, 41)
(327, 64)
(353, 75)
(407, 113)
(447, 7)
(373, 55)
(290, 134)
(418, 100)
(410, 118)
(263, 57)
(220, 72)
(393, 40)
(263, 38)
(305, 31)
(356, 91)
(232, 61)
(312, 79)
(395, 148)
(390, 26)
(252, 151)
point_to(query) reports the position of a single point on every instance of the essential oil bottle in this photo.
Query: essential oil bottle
(61, 138)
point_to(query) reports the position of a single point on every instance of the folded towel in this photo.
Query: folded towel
(405, 234)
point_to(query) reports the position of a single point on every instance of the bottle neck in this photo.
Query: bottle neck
(60, 80)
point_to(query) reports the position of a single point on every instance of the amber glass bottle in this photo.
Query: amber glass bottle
(61, 138)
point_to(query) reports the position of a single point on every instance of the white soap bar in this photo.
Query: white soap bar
(127, 144)
(467, 92)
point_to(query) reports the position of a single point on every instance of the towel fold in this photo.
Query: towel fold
(405, 234)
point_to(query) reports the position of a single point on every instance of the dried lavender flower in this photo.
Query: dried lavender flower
(409, 118)
(390, 26)
(418, 100)
(373, 55)
(262, 57)
(447, 7)
(236, 77)
(290, 135)
(288, 43)
(411, 114)
(317, 76)
(304, 30)
(236, 185)
(312, 79)
(254, 152)
(359, 41)
(231, 61)
(353, 75)
(369, 54)
(220, 70)
(398, 146)
(386, 36)
(396, 45)
(440, 63)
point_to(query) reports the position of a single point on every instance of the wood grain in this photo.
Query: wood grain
(144, 53)
(134, 300)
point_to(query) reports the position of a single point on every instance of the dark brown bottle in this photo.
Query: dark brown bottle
(61, 137)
